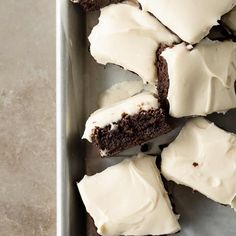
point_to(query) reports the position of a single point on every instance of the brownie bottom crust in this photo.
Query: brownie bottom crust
(131, 130)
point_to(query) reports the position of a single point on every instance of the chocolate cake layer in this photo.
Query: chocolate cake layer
(163, 78)
(91, 5)
(131, 130)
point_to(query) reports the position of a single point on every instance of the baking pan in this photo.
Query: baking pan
(80, 81)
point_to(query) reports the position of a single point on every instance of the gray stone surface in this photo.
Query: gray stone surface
(27, 118)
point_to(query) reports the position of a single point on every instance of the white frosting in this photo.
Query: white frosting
(129, 37)
(191, 20)
(111, 114)
(120, 91)
(230, 19)
(124, 90)
(201, 77)
(212, 151)
(129, 199)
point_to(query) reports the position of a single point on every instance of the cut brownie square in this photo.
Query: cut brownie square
(197, 80)
(203, 157)
(125, 124)
(129, 199)
(129, 37)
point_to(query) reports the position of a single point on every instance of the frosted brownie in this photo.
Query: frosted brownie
(129, 37)
(129, 199)
(191, 20)
(198, 80)
(127, 123)
(203, 157)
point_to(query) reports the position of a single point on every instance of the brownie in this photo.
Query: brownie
(180, 103)
(131, 130)
(90, 5)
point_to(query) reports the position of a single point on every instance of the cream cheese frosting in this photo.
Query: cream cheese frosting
(129, 199)
(200, 77)
(230, 19)
(203, 157)
(113, 113)
(191, 20)
(123, 90)
(120, 91)
(129, 37)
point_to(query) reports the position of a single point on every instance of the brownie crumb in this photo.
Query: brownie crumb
(195, 164)
(145, 147)
(123, 115)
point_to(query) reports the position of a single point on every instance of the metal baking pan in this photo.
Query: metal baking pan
(80, 80)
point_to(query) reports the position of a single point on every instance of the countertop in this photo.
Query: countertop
(27, 118)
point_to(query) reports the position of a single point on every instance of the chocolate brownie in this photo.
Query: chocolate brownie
(163, 78)
(136, 26)
(131, 130)
(123, 213)
(127, 123)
